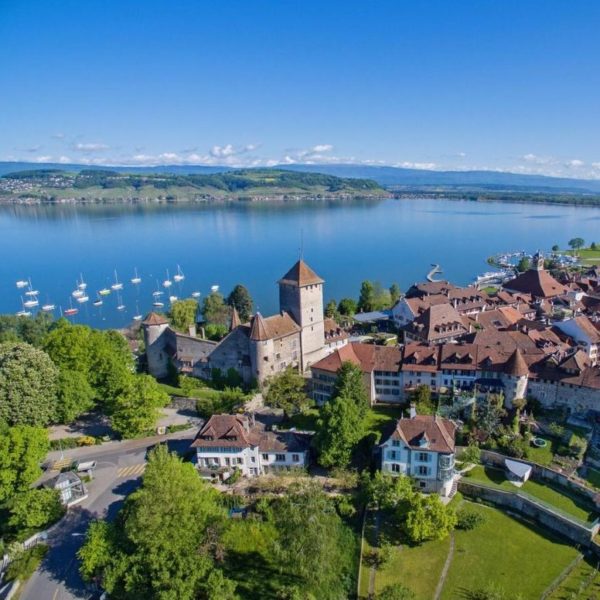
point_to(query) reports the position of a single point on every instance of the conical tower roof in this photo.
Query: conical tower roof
(153, 318)
(258, 329)
(516, 365)
(235, 319)
(301, 275)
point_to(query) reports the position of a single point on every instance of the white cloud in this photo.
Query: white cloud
(90, 147)
(63, 159)
(416, 165)
(42, 159)
(322, 148)
(576, 163)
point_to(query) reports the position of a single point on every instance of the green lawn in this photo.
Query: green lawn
(560, 498)
(416, 567)
(593, 477)
(543, 456)
(380, 416)
(583, 583)
(587, 256)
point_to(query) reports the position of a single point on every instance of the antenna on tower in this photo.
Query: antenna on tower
(301, 244)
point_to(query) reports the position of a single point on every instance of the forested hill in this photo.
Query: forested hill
(89, 185)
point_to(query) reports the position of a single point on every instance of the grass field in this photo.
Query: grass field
(593, 477)
(583, 583)
(587, 255)
(560, 498)
(519, 558)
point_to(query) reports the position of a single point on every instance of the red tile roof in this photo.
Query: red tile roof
(538, 283)
(269, 328)
(155, 319)
(301, 275)
(438, 431)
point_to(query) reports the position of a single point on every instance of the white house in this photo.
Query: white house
(237, 442)
(422, 447)
(584, 332)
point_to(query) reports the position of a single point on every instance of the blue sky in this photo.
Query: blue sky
(511, 85)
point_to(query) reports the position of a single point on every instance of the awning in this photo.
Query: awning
(521, 470)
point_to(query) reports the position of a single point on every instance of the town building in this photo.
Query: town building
(536, 282)
(585, 333)
(422, 447)
(239, 442)
(297, 336)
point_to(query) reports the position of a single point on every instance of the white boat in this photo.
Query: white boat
(120, 305)
(136, 278)
(158, 304)
(83, 299)
(117, 285)
(48, 307)
(31, 292)
(196, 294)
(137, 316)
(214, 288)
(179, 276)
(69, 312)
(173, 298)
(167, 282)
(24, 313)
(81, 284)
(98, 302)
(21, 283)
(77, 293)
(31, 303)
(157, 293)
(104, 292)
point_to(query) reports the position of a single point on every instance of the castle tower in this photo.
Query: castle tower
(261, 348)
(154, 327)
(516, 377)
(301, 295)
(538, 261)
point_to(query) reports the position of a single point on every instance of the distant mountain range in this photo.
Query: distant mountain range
(391, 177)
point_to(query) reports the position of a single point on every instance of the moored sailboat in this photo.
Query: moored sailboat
(136, 279)
(117, 285)
(179, 276)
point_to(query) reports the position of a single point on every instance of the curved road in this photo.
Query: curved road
(118, 472)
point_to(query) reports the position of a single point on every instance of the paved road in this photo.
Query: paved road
(118, 473)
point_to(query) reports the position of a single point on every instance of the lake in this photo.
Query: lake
(345, 242)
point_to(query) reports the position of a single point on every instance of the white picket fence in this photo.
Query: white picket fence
(34, 540)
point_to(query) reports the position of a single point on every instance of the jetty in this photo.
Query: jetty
(435, 271)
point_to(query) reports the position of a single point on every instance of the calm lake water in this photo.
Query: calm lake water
(388, 240)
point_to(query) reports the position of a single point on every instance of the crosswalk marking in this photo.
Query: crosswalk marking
(131, 470)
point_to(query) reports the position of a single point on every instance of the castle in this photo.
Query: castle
(297, 336)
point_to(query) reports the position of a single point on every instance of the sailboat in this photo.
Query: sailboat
(179, 276)
(167, 282)
(120, 305)
(48, 307)
(23, 312)
(214, 289)
(196, 294)
(137, 316)
(117, 285)
(77, 292)
(31, 292)
(21, 283)
(173, 298)
(136, 279)
(83, 298)
(31, 302)
(158, 292)
(158, 304)
(98, 301)
(81, 284)
(104, 292)
(69, 312)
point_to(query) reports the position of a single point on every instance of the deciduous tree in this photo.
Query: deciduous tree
(183, 314)
(347, 307)
(75, 395)
(240, 299)
(427, 518)
(35, 508)
(214, 309)
(28, 379)
(287, 390)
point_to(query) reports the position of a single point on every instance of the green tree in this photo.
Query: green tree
(331, 311)
(35, 508)
(427, 518)
(366, 299)
(593, 246)
(421, 396)
(384, 490)
(75, 395)
(25, 329)
(28, 380)
(471, 455)
(22, 449)
(349, 383)
(287, 390)
(136, 409)
(395, 293)
(240, 299)
(312, 542)
(523, 265)
(396, 592)
(340, 427)
(576, 244)
(214, 309)
(347, 307)
(555, 248)
(164, 544)
(183, 314)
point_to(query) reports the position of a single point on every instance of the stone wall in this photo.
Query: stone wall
(526, 506)
(541, 473)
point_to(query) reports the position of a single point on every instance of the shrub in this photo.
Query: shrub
(345, 507)
(35, 508)
(86, 440)
(469, 519)
(470, 455)
(25, 564)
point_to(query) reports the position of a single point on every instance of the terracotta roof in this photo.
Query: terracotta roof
(578, 361)
(439, 433)
(427, 288)
(333, 332)
(437, 323)
(538, 283)
(284, 441)
(274, 327)
(366, 356)
(301, 274)
(153, 318)
(589, 328)
(226, 431)
(235, 319)
(516, 365)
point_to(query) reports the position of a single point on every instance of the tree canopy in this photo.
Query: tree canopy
(214, 309)
(28, 383)
(240, 299)
(183, 314)
(287, 390)
(167, 545)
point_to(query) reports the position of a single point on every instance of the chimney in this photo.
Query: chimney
(192, 330)
(413, 410)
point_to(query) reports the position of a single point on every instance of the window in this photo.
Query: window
(240, 461)
(423, 457)
(395, 443)
(422, 484)
(395, 468)
(265, 457)
(393, 454)
(295, 458)
(422, 471)
(280, 457)
(253, 459)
